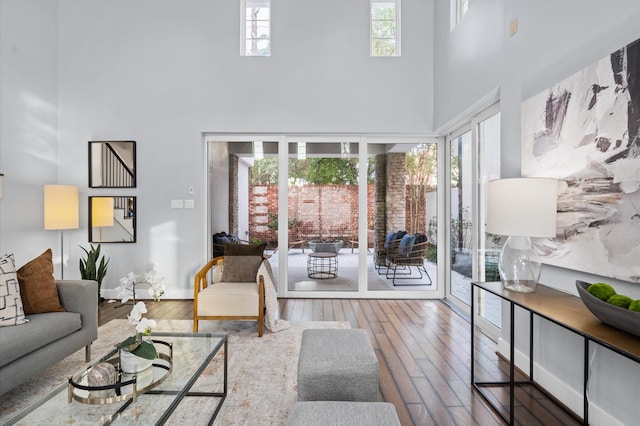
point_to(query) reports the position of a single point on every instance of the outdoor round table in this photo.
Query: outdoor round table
(322, 265)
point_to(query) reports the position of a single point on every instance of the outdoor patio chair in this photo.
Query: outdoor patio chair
(294, 240)
(220, 239)
(404, 256)
(381, 252)
(371, 237)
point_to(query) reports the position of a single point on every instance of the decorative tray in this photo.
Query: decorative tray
(127, 385)
(612, 315)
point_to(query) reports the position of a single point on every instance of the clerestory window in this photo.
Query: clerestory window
(385, 27)
(256, 31)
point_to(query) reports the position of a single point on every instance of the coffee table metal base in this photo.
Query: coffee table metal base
(322, 265)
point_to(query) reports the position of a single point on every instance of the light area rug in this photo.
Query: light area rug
(262, 372)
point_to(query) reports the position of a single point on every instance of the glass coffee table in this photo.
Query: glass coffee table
(185, 388)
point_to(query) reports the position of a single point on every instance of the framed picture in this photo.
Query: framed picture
(584, 131)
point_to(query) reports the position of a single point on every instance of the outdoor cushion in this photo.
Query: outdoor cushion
(390, 237)
(405, 244)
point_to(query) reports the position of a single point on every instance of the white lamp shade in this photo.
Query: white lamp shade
(102, 211)
(522, 207)
(61, 207)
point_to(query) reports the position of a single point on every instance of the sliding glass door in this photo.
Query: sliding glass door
(339, 196)
(474, 159)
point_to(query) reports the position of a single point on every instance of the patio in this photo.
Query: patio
(347, 278)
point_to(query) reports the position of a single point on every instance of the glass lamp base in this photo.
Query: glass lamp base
(517, 271)
(520, 287)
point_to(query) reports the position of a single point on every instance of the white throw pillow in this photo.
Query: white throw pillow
(11, 311)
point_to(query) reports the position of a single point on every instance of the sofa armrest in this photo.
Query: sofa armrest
(80, 296)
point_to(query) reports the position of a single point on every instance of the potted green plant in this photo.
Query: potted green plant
(94, 267)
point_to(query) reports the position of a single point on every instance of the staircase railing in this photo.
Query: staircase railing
(115, 172)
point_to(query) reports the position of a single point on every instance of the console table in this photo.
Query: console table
(564, 310)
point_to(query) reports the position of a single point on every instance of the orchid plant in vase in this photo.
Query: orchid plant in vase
(128, 286)
(137, 344)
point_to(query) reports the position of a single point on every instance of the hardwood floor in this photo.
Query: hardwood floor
(423, 349)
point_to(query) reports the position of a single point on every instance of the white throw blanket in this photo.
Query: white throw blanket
(271, 322)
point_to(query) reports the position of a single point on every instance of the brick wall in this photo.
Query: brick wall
(331, 211)
(396, 192)
(325, 211)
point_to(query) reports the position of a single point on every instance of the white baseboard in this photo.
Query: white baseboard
(569, 396)
(143, 295)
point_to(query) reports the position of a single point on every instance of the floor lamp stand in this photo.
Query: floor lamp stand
(62, 255)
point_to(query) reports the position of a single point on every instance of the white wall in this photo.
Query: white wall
(162, 73)
(554, 40)
(28, 125)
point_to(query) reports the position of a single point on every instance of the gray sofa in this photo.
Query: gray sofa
(27, 349)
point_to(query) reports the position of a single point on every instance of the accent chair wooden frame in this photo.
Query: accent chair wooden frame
(202, 285)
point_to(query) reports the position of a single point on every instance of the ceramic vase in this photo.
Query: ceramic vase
(130, 363)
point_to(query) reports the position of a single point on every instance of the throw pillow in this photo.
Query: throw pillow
(11, 310)
(38, 287)
(241, 262)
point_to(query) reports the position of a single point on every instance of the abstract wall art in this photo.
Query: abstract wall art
(584, 131)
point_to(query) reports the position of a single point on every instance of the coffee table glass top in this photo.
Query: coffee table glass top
(195, 389)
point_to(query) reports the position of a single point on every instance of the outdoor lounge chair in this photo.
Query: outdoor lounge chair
(382, 250)
(402, 257)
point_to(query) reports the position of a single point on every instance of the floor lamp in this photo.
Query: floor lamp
(61, 212)
(521, 208)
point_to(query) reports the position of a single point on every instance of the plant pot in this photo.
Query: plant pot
(130, 363)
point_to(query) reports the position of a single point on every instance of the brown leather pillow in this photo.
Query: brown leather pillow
(38, 287)
(241, 262)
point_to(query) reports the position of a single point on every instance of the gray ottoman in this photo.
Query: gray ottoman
(337, 365)
(335, 413)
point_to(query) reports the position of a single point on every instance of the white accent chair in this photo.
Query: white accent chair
(227, 300)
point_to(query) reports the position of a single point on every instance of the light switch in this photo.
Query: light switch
(177, 204)
(189, 204)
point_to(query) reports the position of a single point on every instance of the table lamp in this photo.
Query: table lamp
(61, 212)
(521, 208)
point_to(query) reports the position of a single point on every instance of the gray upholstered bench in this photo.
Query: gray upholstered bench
(337, 365)
(322, 413)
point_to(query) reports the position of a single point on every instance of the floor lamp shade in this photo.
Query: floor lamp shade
(61, 207)
(61, 212)
(521, 208)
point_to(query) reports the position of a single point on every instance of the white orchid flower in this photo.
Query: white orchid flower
(141, 307)
(156, 290)
(135, 316)
(128, 280)
(125, 283)
(152, 277)
(145, 326)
